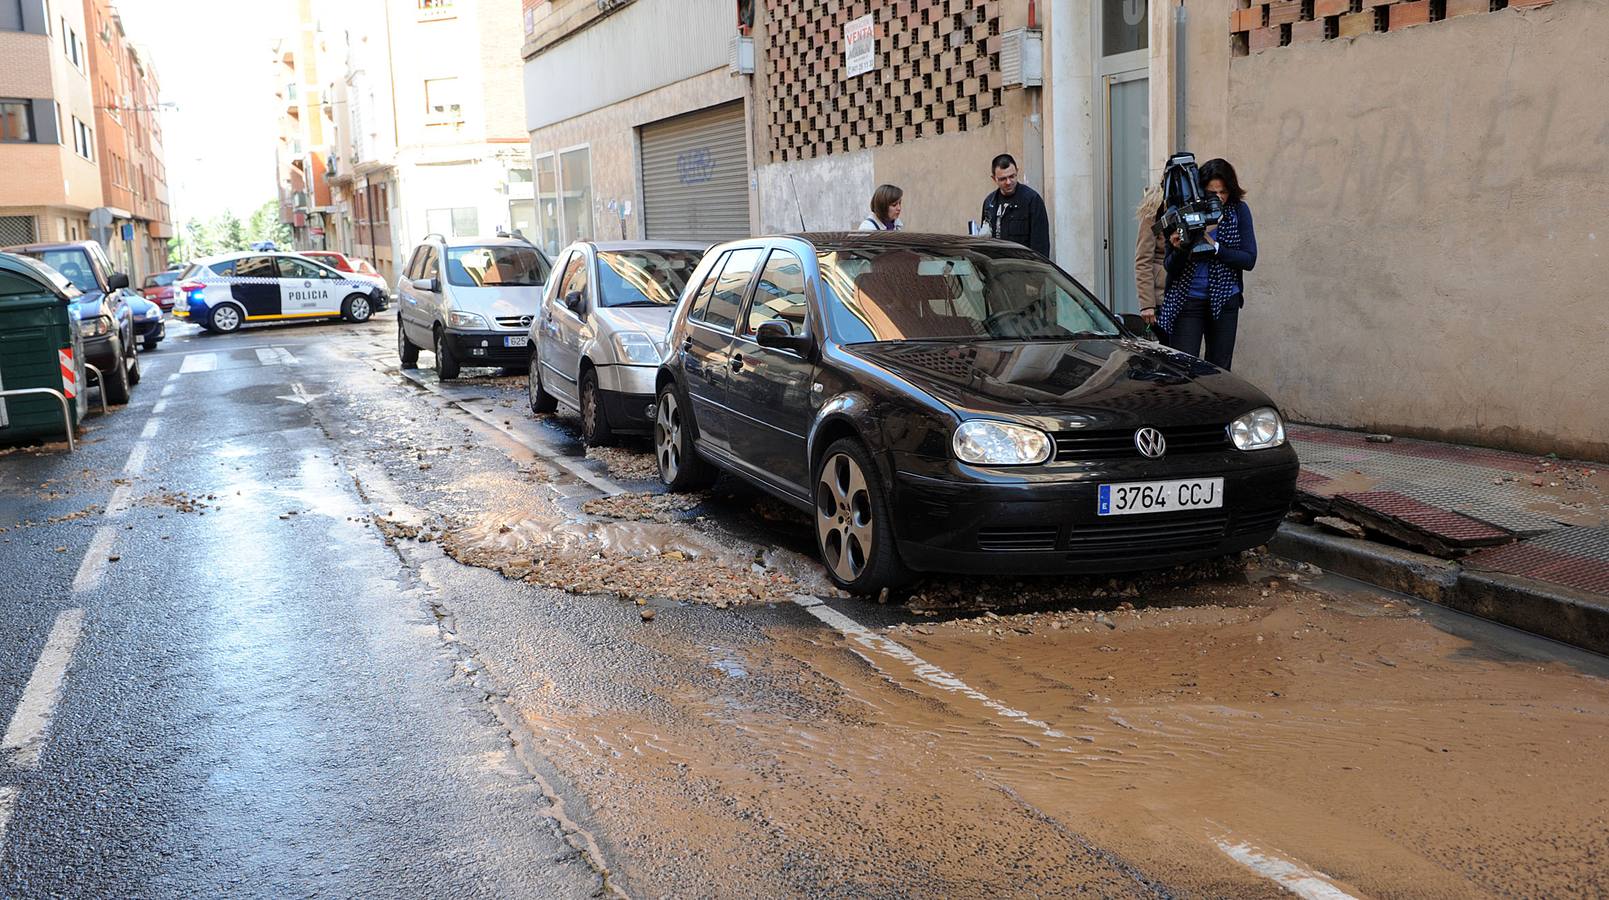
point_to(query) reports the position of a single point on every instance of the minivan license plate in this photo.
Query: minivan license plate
(1160, 496)
(523, 340)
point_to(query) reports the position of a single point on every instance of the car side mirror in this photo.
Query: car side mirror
(117, 280)
(778, 334)
(428, 285)
(575, 302)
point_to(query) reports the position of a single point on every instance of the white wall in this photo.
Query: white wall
(636, 50)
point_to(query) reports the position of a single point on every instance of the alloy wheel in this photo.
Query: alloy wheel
(226, 318)
(360, 309)
(668, 437)
(844, 517)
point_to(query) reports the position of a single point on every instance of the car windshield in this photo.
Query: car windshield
(510, 266)
(73, 263)
(644, 277)
(956, 294)
(160, 279)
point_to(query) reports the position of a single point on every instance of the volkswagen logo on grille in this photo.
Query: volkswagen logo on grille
(1150, 443)
(525, 321)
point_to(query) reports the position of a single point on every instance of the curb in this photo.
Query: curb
(1572, 617)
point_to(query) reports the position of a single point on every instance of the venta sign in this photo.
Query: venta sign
(860, 46)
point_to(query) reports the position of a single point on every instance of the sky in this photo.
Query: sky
(213, 58)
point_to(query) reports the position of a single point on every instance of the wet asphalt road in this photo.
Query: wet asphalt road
(281, 688)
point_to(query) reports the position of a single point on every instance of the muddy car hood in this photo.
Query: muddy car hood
(1112, 382)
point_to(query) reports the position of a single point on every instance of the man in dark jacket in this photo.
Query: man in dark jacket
(1015, 211)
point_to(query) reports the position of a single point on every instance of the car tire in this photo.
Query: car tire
(115, 386)
(357, 308)
(407, 351)
(541, 400)
(150, 344)
(595, 430)
(446, 364)
(225, 318)
(854, 528)
(133, 366)
(680, 466)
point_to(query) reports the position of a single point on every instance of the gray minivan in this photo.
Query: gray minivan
(471, 300)
(598, 340)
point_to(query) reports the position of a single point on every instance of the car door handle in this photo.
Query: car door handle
(737, 362)
(687, 344)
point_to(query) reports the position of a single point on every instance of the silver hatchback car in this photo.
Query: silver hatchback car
(597, 342)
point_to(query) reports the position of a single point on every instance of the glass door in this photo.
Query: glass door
(1128, 132)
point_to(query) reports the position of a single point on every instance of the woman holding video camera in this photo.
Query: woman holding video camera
(1205, 286)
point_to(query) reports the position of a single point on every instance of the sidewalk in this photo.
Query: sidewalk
(1518, 539)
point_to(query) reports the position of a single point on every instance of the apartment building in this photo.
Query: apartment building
(302, 61)
(49, 150)
(136, 224)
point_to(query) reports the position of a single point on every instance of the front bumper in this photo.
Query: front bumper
(150, 329)
(487, 348)
(100, 352)
(628, 396)
(952, 518)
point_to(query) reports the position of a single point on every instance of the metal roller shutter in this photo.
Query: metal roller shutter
(695, 176)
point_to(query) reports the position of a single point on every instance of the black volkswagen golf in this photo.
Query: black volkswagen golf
(956, 404)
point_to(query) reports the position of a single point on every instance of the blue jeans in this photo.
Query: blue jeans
(1195, 322)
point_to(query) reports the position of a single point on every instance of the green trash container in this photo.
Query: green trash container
(40, 347)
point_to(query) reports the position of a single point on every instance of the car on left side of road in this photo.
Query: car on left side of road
(597, 343)
(158, 288)
(150, 325)
(104, 315)
(223, 293)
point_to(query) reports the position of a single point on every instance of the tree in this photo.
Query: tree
(264, 225)
(225, 233)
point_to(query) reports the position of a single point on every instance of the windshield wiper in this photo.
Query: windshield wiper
(636, 303)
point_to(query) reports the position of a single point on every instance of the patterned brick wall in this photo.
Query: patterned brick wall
(1258, 26)
(937, 72)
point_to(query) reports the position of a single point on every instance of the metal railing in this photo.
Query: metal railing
(66, 412)
(100, 382)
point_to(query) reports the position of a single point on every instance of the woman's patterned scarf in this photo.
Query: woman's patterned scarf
(1222, 281)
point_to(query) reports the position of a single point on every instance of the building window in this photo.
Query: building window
(430, 10)
(83, 139)
(441, 101)
(548, 236)
(16, 120)
(575, 175)
(72, 46)
(462, 221)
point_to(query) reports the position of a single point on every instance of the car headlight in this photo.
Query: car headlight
(1260, 429)
(456, 319)
(1000, 444)
(636, 348)
(95, 327)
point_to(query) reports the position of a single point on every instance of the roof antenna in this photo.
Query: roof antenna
(796, 207)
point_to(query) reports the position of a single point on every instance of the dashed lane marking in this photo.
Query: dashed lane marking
(8, 805)
(30, 724)
(150, 429)
(1297, 879)
(93, 568)
(199, 362)
(136, 458)
(275, 356)
(159, 407)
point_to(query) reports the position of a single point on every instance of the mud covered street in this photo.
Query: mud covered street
(330, 628)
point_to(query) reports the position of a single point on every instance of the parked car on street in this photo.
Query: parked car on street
(104, 314)
(955, 404)
(471, 300)
(150, 325)
(597, 343)
(222, 293)
(158, 288)
(358, 269)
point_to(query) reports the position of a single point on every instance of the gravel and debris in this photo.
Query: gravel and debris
(626, 463)
(644, 507)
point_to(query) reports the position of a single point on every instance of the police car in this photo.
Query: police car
(222, 293)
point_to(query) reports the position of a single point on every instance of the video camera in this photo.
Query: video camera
(1186, 207)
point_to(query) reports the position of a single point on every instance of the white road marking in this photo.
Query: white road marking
(199, 362)
(286, 358)
(275, 356)
(300, 395)
(150, 429)
(93, 567)
(1302, 882)
(923, 669)
(136, 458)
(118, 503)
(170, 387)
(159, 407)
(8, 805)
(25, 736)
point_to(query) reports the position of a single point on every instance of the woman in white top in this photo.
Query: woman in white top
(887, 203)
